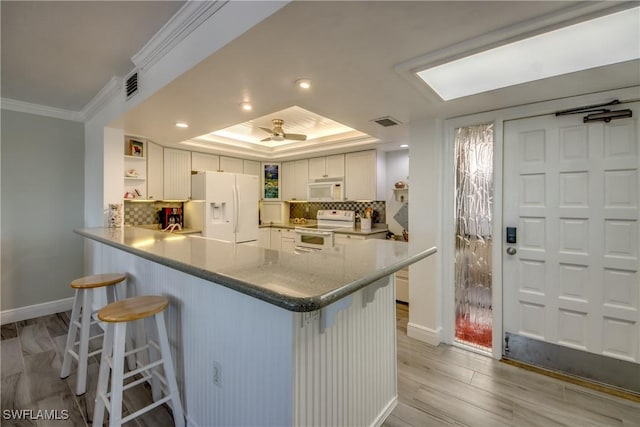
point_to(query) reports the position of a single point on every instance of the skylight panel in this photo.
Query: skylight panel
(601, 41)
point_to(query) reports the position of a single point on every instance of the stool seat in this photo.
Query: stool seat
(135, 308)
(82, 323)
(98, 280)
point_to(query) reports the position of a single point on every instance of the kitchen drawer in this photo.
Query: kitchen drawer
(346, 238)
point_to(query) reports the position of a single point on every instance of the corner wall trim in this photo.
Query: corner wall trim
(40, 110)
(424, 334)
(36, 310)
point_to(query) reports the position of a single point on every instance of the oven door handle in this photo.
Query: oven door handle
(314, 232)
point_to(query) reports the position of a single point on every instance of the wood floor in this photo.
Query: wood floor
(438, 386)
(448, 386)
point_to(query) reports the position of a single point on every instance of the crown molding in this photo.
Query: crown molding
(184, 22)
(40, 110)
(108, 92)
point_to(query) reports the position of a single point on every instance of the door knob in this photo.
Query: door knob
(511, 250)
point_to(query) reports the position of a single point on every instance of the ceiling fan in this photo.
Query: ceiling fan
(277, 134)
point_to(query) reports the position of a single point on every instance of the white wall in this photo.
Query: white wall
(425, 292)
(42, 202)
(397, 167)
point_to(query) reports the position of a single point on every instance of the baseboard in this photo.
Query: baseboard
(36, 310)
(386, 412)
(424, 334)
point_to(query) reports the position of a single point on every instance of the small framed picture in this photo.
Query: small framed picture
(136, 148)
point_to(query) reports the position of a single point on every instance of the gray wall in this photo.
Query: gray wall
(42, 202)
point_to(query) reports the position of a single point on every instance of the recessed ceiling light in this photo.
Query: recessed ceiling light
(182, 125)
(606, 40)
(404, 145)
(246, 106)
(303, 83)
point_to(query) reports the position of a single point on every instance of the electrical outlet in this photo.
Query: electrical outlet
(217, 373)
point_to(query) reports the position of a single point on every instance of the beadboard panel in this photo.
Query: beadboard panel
(350, 368)
(278, 368)
(207, 323)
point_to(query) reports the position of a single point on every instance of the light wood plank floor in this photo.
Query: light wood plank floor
(438, 386)
(448, 386)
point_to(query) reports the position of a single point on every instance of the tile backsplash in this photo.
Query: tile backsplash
(310, 209)
(141, 213)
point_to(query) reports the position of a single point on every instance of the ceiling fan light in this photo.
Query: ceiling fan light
(303, 84)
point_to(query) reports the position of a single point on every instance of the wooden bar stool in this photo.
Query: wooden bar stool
(117, 315)
(81, 319)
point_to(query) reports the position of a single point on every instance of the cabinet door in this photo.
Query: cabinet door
(335, 166)
(204, 162)
(287, 245)
(177, 174)
(276, 239)
(155, 171)
(251, 167)
(294, 179)
(360, 175)
(231, 164)
(288, 182)
(264, 238)
(301, 178)
(317, 168)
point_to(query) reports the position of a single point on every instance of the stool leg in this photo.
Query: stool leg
(103, 376)
(178, 415)
(112, 296)
(117, 374)
(153, 356)
(71, 335)
(83, 352)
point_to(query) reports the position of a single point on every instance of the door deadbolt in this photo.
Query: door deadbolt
(511, 250)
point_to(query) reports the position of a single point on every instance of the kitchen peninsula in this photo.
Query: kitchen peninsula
(263, 337)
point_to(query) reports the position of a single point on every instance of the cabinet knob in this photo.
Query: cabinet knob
(348, 236)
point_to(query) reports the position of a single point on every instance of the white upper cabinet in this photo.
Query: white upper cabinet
(177, 174)
(360, 175)
(204, 162)
(155, 171)
(231, 164)
(294, 179)
(251, 167)
(326, 167)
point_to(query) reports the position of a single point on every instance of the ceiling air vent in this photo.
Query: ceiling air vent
(387, 121)
(131, 85)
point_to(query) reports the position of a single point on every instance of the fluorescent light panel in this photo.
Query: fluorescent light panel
(602, 41)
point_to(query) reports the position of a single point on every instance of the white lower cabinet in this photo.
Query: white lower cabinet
(402, 285)
(282, 239)
(264, 238)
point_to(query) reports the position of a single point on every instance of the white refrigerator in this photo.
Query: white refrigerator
(224, 205)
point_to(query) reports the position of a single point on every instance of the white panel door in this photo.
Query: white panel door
(571, 189)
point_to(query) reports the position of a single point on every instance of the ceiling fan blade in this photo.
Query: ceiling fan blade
(295, 136)
(266, 129)
(266, 139)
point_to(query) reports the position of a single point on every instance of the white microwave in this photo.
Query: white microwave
(325, 191)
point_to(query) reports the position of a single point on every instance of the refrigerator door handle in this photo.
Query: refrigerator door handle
(236, 208)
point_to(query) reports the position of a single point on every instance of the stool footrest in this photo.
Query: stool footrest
(145, 409)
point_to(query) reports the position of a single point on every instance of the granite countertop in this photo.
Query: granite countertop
(296, 282)
(375, 228)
